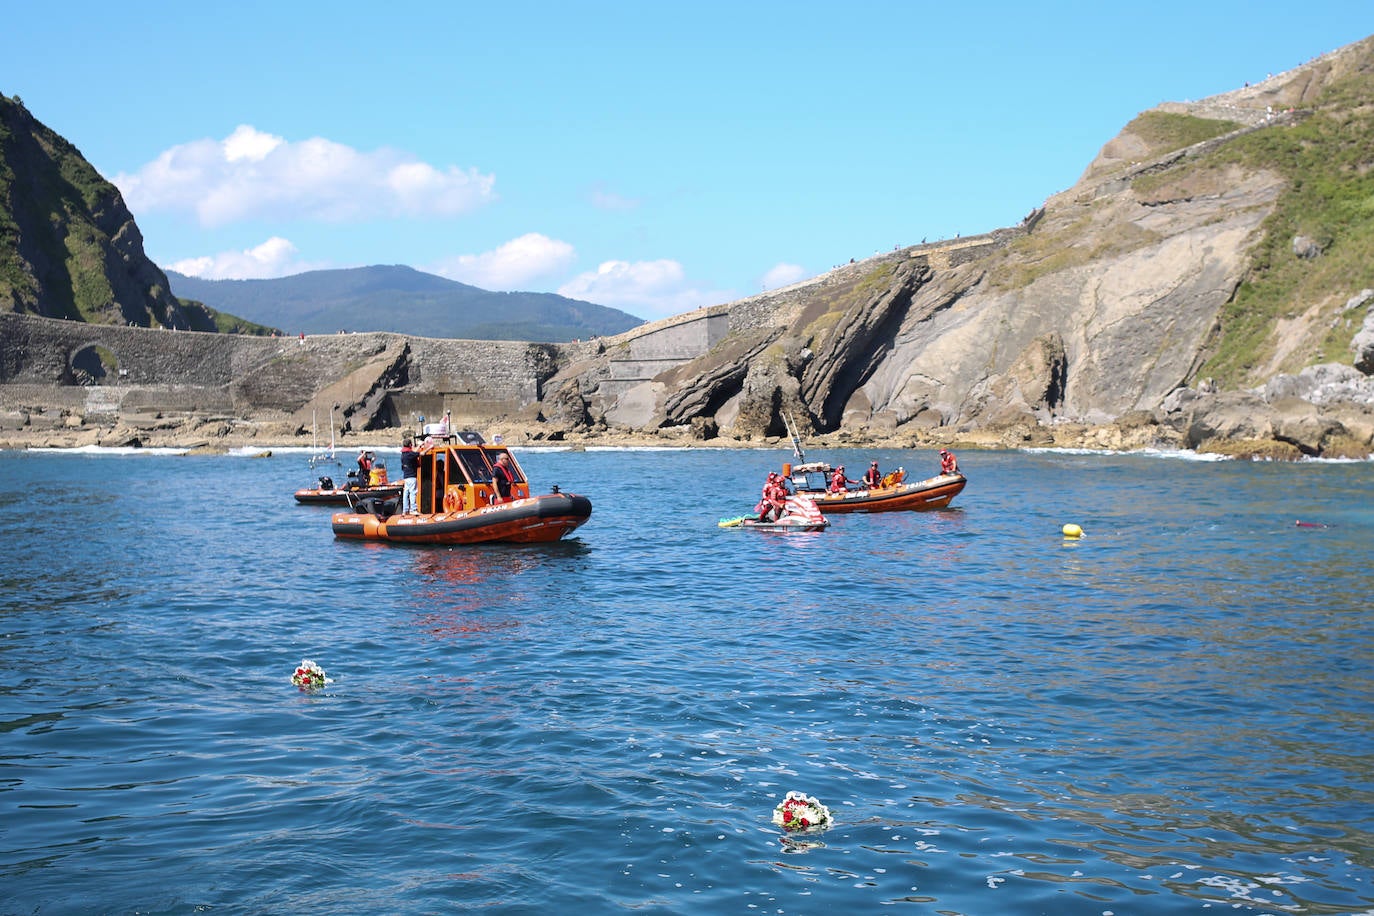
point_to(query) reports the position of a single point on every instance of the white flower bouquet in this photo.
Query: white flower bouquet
(309, 676)
(799, 813)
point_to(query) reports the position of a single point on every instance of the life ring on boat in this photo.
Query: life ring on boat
(453, 501)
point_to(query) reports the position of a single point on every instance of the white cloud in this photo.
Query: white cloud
(512, 266)
(255, 175)
(649, 289)
(784, 274)
(245, 143)
(275, 257)
(603, 199)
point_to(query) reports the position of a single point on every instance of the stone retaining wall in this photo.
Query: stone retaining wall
(104, 369)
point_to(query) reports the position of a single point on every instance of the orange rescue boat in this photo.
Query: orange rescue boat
(459, 503)
(895, 494)
(326, 493)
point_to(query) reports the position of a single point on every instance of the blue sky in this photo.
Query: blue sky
(652, 157)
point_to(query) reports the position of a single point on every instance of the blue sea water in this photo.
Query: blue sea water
(1172, 714)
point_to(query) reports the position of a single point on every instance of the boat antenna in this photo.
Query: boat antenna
(793, 432)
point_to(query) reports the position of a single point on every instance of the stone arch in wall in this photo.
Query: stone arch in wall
(91, 364)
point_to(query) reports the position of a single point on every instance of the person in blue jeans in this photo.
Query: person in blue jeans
(410, 469)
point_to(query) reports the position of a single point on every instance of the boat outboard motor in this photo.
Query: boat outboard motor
(382, 507)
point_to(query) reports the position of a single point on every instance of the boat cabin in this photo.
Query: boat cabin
(808, 477)
(455, 474)
(814, 477)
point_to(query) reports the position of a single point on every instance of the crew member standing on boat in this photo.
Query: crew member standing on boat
(410, 472)
(363, 476)
(838, 482)
(873, 478)
(502, 477)
(948, 463)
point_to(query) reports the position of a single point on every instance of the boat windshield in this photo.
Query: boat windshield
(494, 453)
(473, 466)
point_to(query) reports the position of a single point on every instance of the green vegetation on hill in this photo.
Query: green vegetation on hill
(1054, 248)
(1326, 159)
(92, 294)
(1287, 312)
(15, 282)
(1330, 200)
(204, 318)
(61, 196)
(1051, 249)
(1163, 131)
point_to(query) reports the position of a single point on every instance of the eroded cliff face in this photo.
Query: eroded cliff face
(1098, 310)
(1087, 342)
(1002, 339)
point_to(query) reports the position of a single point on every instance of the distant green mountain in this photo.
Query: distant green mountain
(405, 301)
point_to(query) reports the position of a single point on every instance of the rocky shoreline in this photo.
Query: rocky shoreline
(1212, 435)
(1324, 411)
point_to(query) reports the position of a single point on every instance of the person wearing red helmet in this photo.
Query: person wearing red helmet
(838, 482)
(774, 499)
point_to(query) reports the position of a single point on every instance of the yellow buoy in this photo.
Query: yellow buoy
(1072, 531)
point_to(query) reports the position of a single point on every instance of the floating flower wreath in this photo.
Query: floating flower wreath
(799, 812)
(309, 676)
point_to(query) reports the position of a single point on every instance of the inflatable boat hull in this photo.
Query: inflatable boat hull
(530, 520)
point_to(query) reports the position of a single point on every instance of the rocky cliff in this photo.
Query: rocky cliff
(1145, 305)
(69, 248)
